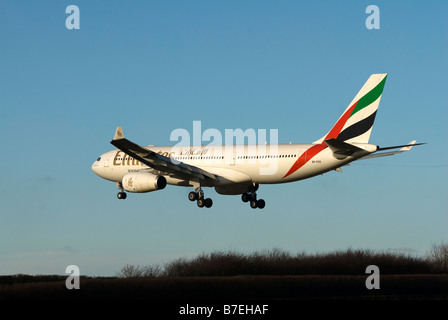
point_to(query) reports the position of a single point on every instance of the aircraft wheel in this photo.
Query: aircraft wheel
(121, 195)
(192, 196)
(208, 202)
(245, 197)
(201, 203)
(261, 203)
(254, 204)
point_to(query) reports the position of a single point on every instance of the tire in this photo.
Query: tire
(254, 204)
(121, 195)
(201, 203)
(192, 196)
(245, 197)
(261, 204)
(208, 203)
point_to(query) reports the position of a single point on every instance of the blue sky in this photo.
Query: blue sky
(153, 66)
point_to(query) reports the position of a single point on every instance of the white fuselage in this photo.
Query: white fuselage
(263, 164)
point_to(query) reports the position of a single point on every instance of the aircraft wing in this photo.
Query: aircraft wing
(157, 161)
(404, 148)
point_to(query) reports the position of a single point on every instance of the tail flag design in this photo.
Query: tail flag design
(355, 124)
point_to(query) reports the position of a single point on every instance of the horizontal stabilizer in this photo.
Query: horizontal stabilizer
(342, 150)
(404, 148)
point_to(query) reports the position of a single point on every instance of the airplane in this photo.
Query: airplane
(238, 169)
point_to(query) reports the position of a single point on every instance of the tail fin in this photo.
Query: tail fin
(355, 124)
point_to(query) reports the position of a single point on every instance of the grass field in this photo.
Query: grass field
(236, 288)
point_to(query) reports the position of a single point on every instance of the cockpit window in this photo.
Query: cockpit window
(99, 158)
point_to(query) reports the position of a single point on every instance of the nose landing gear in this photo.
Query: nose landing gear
(121, 195)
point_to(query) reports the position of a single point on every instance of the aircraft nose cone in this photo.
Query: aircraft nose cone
(95, 168)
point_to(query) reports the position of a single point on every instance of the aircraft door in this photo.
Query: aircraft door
(106, 161)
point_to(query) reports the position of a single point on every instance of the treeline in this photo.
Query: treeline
(269, 275)
(27, 278)
(278, 262)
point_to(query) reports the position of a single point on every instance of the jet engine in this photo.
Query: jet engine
(143, 182)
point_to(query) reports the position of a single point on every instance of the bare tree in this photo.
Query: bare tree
(437, 255)
(130, 271)
(153, 271)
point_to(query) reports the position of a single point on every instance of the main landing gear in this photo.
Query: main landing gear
(251, 197)
(198, 196)
(121, 195)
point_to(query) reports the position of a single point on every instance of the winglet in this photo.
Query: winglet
(118, 134)
(409, 146)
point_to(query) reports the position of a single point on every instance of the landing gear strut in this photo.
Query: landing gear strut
(251, 197)
(121, 195)
(198, 196)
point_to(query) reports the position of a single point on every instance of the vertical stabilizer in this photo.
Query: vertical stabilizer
(355, 124)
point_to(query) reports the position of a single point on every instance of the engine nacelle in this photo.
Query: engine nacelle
(142, 182)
